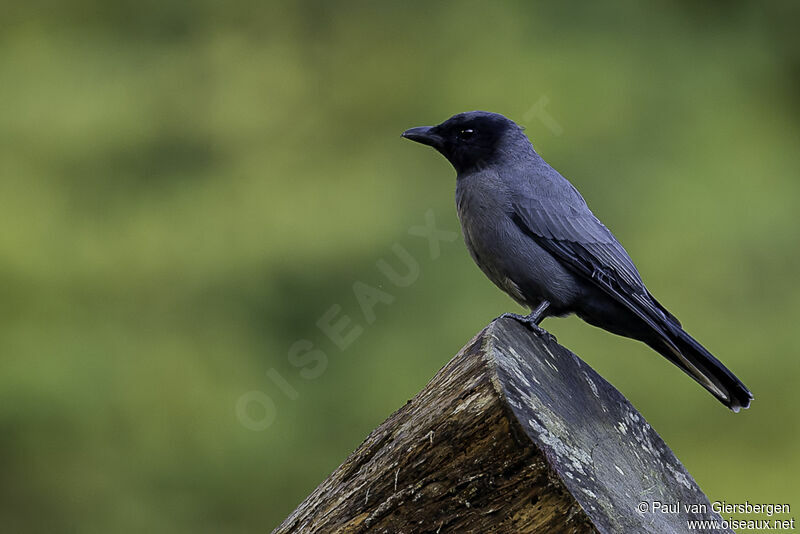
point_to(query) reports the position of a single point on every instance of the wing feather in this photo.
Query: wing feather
(581, 242)
(568, 229)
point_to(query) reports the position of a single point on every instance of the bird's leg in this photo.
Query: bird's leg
(533, 319)
(537, 315)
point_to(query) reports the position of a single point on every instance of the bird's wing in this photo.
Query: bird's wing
(571, 233)
(574, 236)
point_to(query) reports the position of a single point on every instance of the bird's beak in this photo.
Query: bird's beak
(424, 135)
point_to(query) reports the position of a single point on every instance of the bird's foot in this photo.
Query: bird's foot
(530, 322)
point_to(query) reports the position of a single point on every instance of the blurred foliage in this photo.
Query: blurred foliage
(186, 187)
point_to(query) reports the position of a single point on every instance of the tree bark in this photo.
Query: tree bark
(514, 435)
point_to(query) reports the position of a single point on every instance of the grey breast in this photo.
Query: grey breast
(508, 257)
(482, 205)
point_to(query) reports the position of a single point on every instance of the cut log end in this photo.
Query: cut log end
(515, 434)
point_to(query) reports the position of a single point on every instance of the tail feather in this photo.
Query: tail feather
(709, 372)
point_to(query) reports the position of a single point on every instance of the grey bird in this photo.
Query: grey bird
(532, 234)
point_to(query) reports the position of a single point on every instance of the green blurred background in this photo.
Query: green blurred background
(187, 187)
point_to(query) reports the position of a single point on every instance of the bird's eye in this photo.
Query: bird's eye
(466, 134)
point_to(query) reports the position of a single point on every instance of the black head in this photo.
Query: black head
(469, 140)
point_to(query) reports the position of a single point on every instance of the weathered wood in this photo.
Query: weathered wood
(515, 434)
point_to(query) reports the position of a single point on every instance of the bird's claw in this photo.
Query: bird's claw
(531, 324)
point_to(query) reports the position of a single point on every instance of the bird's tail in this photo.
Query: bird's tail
(709, 372)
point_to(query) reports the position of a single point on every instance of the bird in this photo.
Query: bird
(533, 235)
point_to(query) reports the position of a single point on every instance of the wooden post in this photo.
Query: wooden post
(514, 435)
